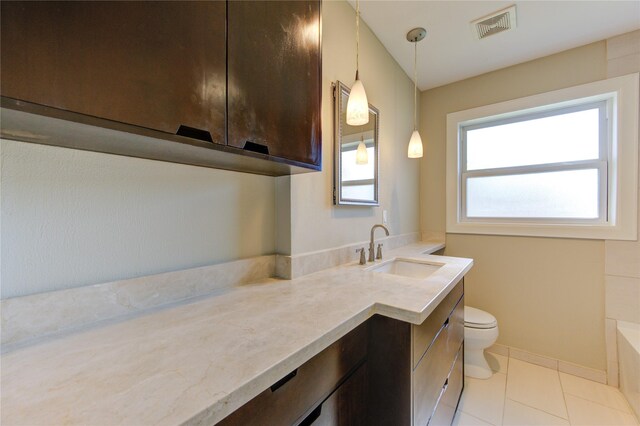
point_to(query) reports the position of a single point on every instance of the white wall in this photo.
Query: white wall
(315, 223)
(72, 218)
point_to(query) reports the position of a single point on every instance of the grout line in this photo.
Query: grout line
(475, 417)
(540, 410)
(561, 389)
(504, 395)
(599, 403)
(564, 399)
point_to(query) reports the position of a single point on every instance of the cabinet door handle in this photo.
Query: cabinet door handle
(277, 385)
(193, 133)
(445, 386)
(446, 323)
(256, 147)
(312, 417)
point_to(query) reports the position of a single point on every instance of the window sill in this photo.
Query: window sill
(592, 232)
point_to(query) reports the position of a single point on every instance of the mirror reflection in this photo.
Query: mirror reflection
(356, 152)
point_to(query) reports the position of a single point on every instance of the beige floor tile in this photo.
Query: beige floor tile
(516, 414)
(498, 363)
(595, 392)
(535, 386)
(464, 419)
(588, 413)
(484, 399)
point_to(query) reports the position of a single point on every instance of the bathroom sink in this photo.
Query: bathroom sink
(407, 268)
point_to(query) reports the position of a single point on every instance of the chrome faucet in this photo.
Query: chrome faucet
(372, 242)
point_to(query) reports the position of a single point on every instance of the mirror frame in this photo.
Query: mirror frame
(339, 89)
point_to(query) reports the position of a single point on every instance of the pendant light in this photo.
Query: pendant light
(357, 105)
(362, 156)
(415, 143)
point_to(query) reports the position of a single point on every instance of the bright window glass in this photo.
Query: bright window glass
(560, 164)
(537, 166)
(358, 192)
(353, 171)
(566, 194)
(571, 136)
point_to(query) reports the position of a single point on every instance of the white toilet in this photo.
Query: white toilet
(480, 332)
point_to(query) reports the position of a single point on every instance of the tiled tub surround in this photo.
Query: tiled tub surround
(198, 361)
(622, 258)
(629, 356)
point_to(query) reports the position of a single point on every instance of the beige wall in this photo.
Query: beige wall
(315, 223)
(547, 294)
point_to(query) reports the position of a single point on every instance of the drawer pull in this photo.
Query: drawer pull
(277, 385)
(193, 133)
(312, 417)
(256, 147)
(446, 385)
(446, 323)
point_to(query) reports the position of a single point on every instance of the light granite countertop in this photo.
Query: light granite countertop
(198, 361)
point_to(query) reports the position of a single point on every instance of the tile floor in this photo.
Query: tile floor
(520, 393)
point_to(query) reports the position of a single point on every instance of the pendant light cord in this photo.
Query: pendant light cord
(415, 83)
(357, 37)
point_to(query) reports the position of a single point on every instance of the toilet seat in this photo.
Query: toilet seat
(476, 318)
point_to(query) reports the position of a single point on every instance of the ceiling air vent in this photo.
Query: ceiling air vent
(500, 21)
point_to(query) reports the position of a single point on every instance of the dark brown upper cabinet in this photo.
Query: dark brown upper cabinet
(180, 81)
(159, 65)
(274, 74)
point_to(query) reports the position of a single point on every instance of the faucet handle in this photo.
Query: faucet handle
(379, 254)
(363, 260)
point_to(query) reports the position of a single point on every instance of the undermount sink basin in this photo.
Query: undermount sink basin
(407, 268)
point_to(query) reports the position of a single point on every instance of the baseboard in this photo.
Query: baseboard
(552, 363)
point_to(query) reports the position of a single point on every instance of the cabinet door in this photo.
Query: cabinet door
(159, 65)
(274, 73)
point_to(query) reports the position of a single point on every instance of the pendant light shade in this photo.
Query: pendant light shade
(357, 105)
(362, 156)
(415, 143)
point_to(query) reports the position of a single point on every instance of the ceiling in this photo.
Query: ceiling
(450, 52)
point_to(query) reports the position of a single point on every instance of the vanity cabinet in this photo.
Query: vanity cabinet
(418, 377)
(328, 388)
(432, 375)
(233, 85)
(385, 372)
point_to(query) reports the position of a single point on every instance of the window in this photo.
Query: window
(560, 164)
(357, 179)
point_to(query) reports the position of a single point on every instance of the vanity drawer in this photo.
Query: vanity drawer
(292, 396)
(345, 407)
(433, 370)
(424, 333)
(446, 408)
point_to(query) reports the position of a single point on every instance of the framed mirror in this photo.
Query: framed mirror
(355, 180)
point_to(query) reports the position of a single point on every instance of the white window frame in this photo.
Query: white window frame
(618, 160)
